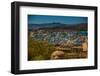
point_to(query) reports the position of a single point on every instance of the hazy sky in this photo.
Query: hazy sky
(39, 19)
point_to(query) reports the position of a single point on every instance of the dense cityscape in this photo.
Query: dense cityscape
(72, 44)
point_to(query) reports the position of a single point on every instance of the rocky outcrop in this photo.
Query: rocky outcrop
(57, 55)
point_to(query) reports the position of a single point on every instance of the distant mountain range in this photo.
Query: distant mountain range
(58, 26)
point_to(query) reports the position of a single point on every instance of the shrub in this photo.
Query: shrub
(39, 50)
